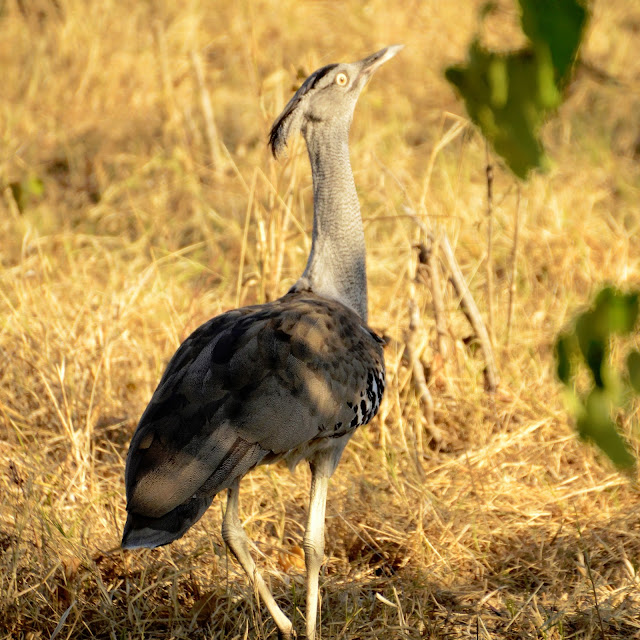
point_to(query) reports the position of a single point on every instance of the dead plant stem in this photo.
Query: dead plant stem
(489, 263)
(514, 265)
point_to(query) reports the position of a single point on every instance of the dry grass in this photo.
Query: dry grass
(509, 528)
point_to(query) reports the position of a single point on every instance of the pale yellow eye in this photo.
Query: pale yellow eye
(341, 79)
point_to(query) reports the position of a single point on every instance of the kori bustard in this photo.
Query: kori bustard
(286, 380)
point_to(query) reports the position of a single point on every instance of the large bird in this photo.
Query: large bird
(286, 380)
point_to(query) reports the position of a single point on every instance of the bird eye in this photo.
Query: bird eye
(341, 79)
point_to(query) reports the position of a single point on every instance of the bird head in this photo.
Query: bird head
(328, 95)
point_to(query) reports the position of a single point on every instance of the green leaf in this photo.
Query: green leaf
(509, 95)
(612, 312)
(593, 345)
(557, 26)
(596, 425)
(504, 95)
(548, 91)
(564, 350)
(615, 312)
(633, 364)
(34, 186)
(26, 190)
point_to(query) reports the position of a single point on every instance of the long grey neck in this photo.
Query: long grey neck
(337, 266)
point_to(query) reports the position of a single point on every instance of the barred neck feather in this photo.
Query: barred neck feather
(336, 267)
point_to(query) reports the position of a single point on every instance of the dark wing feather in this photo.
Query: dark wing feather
(254, 383)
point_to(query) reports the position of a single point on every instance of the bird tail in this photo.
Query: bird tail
(142, 531)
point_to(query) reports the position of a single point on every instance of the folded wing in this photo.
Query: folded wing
(249, 386)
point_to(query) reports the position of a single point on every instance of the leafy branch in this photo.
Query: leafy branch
(509, 96)
(588, 342)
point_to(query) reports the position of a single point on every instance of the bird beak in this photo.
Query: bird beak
(375, 60)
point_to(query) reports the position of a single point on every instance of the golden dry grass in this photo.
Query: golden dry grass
(509, 528)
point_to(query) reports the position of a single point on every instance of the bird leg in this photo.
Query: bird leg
(321, 470)
(236, 539)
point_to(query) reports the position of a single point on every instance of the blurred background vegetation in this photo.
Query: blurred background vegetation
(510, 96)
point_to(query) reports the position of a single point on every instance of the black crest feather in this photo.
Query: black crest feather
(289, 121)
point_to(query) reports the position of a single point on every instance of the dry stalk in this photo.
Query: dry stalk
(428, 255)
(413, 349)
(595, 594)
(470, 310)
(514, 263)
(284, 212)
(418, 378)
(207, 112)
(468, 304)
(165, 72)
(412, 352)
(458, 127)
(489, 265)
(587, 564)
(245, 237)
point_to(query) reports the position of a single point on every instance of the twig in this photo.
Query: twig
(207, 112)
(419, 380)
(470, 310)
(468, 304)
(523, 607)
(458, 127)
(514, 265)
(587, 563)
(412, 352)
(489, 265)
(429, 255)
(595, 593)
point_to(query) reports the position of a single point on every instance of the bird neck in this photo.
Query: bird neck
(337, 265)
